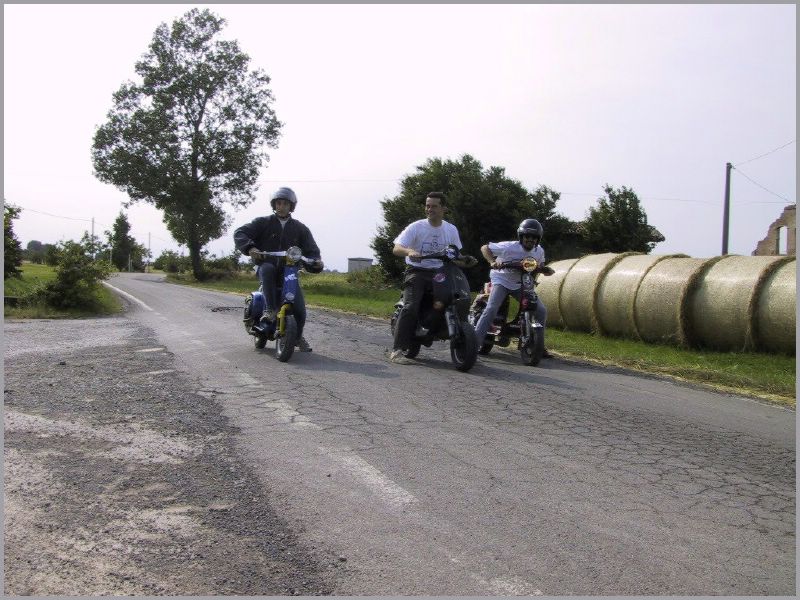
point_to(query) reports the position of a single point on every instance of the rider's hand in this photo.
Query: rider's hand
(414, 256)
(496, 263)
(254, 253)
(547, 270)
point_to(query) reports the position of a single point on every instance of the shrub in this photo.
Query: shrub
(77, 280)
(373, 278)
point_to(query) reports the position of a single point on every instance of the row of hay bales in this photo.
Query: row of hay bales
(729, 303)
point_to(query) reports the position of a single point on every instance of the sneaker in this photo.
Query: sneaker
(397, 357)
(302, 345)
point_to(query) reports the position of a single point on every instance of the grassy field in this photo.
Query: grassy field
(769, 376)
(35, 275)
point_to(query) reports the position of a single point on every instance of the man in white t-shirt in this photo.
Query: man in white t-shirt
(426, 236)
(507, 281)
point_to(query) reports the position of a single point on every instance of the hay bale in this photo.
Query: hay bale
(775, 322)
(722, 308)
(616, 294)
(659, 306)
(549, 290)
(580, 287)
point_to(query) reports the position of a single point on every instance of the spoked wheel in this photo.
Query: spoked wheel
(284, 344)
(464, 347)
(533, 348)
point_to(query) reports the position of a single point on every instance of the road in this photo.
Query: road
(565, 479)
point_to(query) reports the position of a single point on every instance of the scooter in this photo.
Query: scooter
(283, 330)
(443, 312)
(524, 326)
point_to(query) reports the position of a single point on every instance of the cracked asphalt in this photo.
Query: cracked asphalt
(386, 479)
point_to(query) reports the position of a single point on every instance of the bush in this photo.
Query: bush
(373, 278)
(77, 280)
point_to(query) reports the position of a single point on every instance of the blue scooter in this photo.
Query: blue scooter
(283, 329)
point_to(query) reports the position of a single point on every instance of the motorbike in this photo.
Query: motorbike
(524, 326)
(444, 311)
(283, 329)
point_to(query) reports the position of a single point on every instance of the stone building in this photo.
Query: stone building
(781, 236)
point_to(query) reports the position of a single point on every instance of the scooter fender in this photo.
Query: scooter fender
(257, 305)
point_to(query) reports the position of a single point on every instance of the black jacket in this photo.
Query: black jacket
(266, 233)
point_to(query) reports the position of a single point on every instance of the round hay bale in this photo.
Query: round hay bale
(549, 290)
(616, 294)
(660, 299)
(776, 310)
(579, 290)
(721, 309)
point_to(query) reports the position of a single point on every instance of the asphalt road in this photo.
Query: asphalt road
(564, 479)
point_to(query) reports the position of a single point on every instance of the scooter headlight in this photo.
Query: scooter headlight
(294, 254)
(529, 264)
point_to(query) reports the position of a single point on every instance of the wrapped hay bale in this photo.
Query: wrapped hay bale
(722, 307)
(579, 290)
(549, 290)
(660, 303)
(616, 294)
(776, 309)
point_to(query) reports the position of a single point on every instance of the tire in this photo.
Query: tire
(464, 347)
(413, 350)
(248, 314)
(485, 348)
(531, 352)
(260, 341)
(284, 344)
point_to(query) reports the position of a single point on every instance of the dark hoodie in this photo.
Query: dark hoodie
(266, 233)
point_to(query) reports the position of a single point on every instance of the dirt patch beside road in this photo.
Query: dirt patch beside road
(121, 478)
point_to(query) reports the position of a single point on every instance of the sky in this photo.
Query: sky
(657, 98)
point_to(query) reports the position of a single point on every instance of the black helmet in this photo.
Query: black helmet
(530, 226)
(284, 193)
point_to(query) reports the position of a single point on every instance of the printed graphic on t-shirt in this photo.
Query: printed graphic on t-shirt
(432, 245)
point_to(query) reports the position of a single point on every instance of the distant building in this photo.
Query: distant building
(358, 264)
(781, 236)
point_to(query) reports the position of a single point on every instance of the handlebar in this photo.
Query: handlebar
(291, 256)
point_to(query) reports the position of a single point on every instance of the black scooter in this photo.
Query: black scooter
(444, 312)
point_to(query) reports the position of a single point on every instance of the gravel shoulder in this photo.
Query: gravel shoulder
(122, 478)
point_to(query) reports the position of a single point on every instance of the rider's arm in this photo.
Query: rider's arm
(402, 251)
(487, 254)
(245, 236)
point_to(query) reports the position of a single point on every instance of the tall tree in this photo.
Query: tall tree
(122, 247)
(12, 249)
(485, 205)
(619, 224)
(192, 135)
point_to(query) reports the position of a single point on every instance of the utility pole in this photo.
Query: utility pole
(727, 208)
(149, 254)
(92, 240)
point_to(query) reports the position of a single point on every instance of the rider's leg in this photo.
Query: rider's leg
(299, 309)
(266, 274)
(496, 298)
(541, 315)
(415, 284)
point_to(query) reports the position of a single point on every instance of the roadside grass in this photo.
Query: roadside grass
(769, 376)
(33, 276)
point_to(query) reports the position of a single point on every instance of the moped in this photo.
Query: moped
(283, 329)
(524, 326)
(444, 311)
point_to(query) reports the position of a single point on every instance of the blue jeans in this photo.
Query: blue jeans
(496, 298)
(268, 275)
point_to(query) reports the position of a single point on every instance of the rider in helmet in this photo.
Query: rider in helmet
(506, 281)
(276, 232)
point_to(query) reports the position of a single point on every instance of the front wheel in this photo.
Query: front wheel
(531, 351)
(284, 346)
(464, 347)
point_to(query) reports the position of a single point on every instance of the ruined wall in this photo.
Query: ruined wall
(769, 245)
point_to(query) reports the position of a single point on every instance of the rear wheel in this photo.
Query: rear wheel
(533, 348)
(413, 350)
(486, 347)
(260, 341)
(284, 346)
(464, 347)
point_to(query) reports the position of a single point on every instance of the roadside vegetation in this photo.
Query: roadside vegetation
(771, 376)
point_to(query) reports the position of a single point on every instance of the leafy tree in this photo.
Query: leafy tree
(484, 204)
(619, 224)
(123, 249)
(12, 250)
(190, 137)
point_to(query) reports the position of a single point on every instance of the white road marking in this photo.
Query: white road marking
(159, 372)
(159, 349)
(128, 296)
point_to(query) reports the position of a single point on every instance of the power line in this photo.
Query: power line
(765, 154)
(762, 187)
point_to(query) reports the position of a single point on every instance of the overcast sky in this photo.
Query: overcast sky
(654, 97)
